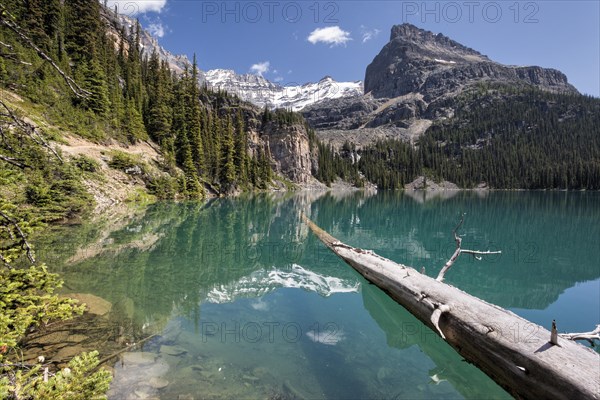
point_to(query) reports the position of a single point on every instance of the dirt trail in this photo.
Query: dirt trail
(115, 187)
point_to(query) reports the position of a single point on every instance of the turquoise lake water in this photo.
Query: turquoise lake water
(247, 304)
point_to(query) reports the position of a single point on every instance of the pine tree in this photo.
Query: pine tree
(133, 124)
(158, 111)
(193, 188)
(215, 139)
(241, 151)
(227, 168)
(34, 23)
(194, 120)
(94, 80)
(83, 29)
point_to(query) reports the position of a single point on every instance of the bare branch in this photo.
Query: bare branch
(554, 334)
(75, 88)
(13, 57)
(5, 262)
(8, 46)
(479, 253)
(14, 162)
(456, 253)
(24, 243)
(448, 265)
(589, 336)
(31, 130)
(127, 348)
(475, 253)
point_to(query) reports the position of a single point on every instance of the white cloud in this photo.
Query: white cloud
(278, 79)
(260, 68)
(368, 34)
(332, 35)
(156, 29)
(131, 8)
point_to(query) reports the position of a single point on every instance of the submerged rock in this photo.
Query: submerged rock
(172, 350)
(94, 304)
(139, 358)
(158, 382)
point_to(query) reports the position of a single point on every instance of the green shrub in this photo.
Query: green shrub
(122, 161)
(128, 163)
(163, 187)
(86, 164)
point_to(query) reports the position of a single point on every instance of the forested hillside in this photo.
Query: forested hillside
(506, 137)
(101, 85)
(499, 136)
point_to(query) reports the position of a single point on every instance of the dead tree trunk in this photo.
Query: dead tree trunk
(514, 352)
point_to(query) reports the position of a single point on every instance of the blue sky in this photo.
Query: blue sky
(294, 42)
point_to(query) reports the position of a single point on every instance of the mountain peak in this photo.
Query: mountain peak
(433, 65)
(262, 92)
(431, 42)
(406, 31)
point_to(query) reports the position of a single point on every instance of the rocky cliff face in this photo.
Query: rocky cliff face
(412, 82)
(288, 145)
(290, 149)
(416, 60)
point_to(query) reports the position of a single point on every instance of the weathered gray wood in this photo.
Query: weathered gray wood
(514, 352)
(589, 336)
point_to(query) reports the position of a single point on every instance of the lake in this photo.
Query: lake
(245, 303)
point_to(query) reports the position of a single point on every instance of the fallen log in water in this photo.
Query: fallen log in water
(514, 352)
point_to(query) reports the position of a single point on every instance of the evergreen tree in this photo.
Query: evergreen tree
(194, 120)
(94, 81)
(241, 150)
(34, 23)
(83, 29)
(158, 111)
(227, 168)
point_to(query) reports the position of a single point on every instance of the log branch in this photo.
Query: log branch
(478, 255)
(5, 262)
(75, 88)
(13, 161)
(589, 336)
(24, 243)
(8, 46)
(13, 57)
(123, 350)
(31, 131)
(554, 334)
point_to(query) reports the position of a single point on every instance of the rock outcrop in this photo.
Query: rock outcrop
(416, 60)
(290, 150)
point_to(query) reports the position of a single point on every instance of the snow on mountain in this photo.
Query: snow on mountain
(250, 87)
(260, 91)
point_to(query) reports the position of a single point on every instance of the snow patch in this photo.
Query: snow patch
(444, 61)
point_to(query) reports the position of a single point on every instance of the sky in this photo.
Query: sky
(295, 42)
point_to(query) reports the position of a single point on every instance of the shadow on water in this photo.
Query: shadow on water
(403, 330)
